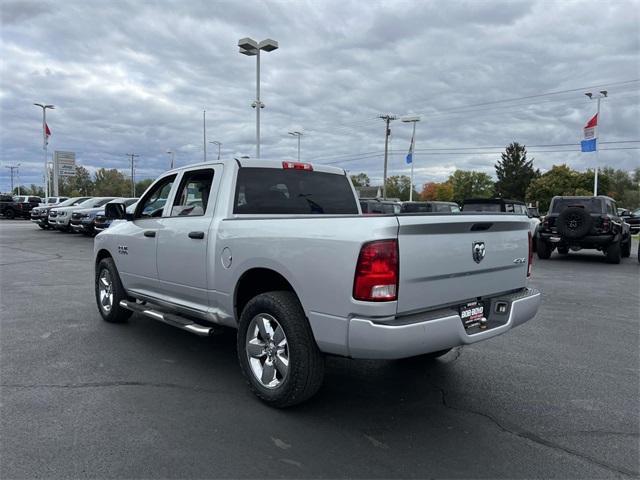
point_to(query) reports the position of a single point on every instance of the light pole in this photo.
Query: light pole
(249, 47)
(45, 142)
(204, 133)
(173, 158)
(602, 94)
(215, 142)
(413, 120)
(297, 134)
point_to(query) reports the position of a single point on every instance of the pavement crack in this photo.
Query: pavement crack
(512, 430)
(113, 384)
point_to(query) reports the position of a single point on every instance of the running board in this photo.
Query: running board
(169, 319)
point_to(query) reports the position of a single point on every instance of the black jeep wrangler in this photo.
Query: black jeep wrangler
(574, 223)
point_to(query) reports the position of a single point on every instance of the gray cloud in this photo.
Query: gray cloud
(133, 76)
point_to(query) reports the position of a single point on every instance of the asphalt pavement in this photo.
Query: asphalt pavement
(555, 398)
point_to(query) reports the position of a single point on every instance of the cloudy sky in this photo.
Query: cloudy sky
(135, 77)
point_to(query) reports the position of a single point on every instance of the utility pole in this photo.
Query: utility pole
(12, 168)
(387, 132)
(173, 158)
(598, 97)
(133, 180)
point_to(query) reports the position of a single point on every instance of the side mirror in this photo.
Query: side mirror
(115, 211)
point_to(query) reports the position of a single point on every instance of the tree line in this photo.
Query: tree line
(517, 179)
(104, 183)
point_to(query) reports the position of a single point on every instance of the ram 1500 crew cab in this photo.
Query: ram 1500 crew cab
(281, 252)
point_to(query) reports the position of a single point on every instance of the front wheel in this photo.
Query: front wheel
(625, 250)
(614, 252)
(109, 292)
(544, 249)
(276, 350)
(10, 214)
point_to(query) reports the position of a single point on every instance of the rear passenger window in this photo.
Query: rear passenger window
(289, 191)
(193, 194)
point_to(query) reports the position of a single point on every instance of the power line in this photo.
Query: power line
(378, 154)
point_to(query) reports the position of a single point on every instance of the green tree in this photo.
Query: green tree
(560, 180)
(142, 185)
(360, 180)
(111, 183)
(399, 186)
(470, 184)
(514, 172)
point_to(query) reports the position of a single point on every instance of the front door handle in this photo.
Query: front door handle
(149, 233)
(196, 235)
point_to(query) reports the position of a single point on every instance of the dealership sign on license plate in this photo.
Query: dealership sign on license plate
(471, 314)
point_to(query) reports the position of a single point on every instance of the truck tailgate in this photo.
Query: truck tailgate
(437, 265)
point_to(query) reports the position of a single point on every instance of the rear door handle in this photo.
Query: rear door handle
(196, 235)
(149, 233)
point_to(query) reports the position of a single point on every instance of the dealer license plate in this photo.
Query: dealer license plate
(471, 314)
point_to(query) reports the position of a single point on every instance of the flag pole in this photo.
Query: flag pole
(413, 148)
(595, 178)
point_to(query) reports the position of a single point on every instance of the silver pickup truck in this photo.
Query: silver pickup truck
(281, 252)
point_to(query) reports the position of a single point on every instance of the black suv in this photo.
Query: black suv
(574, 223)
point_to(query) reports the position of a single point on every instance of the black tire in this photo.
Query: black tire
(544, 249)
(305, 370)
(614, 252)
(115, 313)
(42, 226)
(625, 249)
(574, 222)
(10, 214)
(563, 250)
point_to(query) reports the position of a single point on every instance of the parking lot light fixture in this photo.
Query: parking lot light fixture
(298, 135)
(250, 47)
(219, 144)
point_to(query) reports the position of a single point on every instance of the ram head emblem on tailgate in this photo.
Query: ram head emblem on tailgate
(478, 250)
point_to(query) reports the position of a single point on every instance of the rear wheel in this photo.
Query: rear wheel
(9, 213)
(109, 292)
(614, 252)
(276, 350)
(544, 249)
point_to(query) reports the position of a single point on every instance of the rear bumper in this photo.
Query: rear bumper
(368, 339)
(587, 240)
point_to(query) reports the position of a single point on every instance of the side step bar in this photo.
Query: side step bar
(169, 319)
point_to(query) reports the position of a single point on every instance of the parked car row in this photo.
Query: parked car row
(77, 214)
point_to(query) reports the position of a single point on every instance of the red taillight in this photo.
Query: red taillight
(530, 263)
(376, 278)
(297, 166)
(606, 224)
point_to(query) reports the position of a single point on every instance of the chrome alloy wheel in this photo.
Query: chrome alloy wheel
(267, 350)
(105, 288)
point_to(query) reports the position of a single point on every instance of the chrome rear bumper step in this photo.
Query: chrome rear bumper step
(170, 319)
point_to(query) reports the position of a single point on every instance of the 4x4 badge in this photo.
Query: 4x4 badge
(478, 251)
